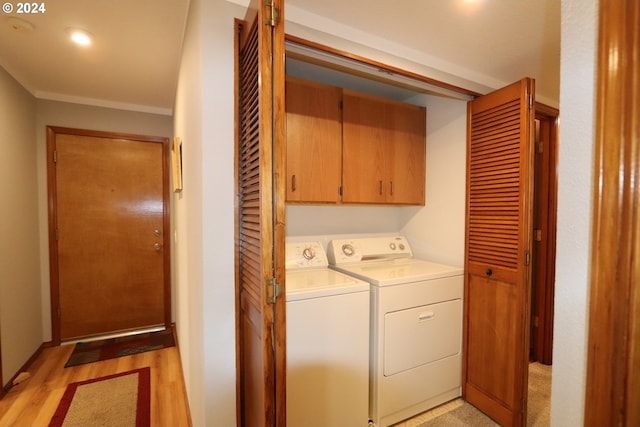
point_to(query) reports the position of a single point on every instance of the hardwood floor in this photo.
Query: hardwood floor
(33, 402)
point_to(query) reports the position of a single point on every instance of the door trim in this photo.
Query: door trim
(52, 131)
(613, 386)
(545, 253)
(330, 57)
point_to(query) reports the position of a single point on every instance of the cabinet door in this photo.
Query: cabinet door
(363, 149)
(406, 145)
(383, 151)
(314, 141)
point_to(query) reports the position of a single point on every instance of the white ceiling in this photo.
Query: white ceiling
(491, 42)
(134, 60)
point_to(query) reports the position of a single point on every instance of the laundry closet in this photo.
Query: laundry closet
(377, 159)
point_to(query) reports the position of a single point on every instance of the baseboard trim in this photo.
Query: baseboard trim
(6, 387)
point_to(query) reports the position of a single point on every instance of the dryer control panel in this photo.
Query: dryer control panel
(305, 255)
(347, 251)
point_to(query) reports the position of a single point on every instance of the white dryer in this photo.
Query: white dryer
(416, 325)
(327, 342)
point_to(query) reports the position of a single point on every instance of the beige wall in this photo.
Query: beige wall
(53, 113)
(20, 314)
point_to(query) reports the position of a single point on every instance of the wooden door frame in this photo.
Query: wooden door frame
(613, 384)
(52, 131)
(545, 253)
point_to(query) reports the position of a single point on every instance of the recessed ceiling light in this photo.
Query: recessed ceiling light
(80, 37)
(469, 6)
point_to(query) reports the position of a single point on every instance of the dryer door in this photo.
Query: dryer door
(421, 335)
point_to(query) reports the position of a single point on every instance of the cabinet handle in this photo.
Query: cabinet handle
(391, 187)
(293, 183)
(381, 188)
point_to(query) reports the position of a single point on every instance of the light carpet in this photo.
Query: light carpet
(462, 414)
(539, 399)
(120, 400)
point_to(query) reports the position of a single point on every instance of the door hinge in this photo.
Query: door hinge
(273, 291)
(340, 191)
(273, 13)
(530, 101)
(55, 156)
(59, 312)
(527, 258)
(537, 235)
(523, 406)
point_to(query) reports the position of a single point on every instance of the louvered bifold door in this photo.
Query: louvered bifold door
(260, 216)
(498, 240)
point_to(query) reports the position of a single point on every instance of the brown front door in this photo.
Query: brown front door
(498, 252)
(108, 231)
(260, 156)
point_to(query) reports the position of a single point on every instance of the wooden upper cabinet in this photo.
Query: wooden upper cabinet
(384, 145)
(314, 141)
(348, 147)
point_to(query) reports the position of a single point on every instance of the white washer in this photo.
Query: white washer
(327, 342)
(416, 325)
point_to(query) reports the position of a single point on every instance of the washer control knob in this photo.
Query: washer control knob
(392, 246)
(348, 249)
(308, 253)
(401, 246)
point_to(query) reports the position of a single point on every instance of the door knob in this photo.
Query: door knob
(157, 247)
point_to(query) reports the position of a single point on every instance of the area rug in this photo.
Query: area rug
(93, 351)
(120, 400)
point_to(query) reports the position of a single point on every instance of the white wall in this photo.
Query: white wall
(20, 316)
(575, 172)
(188, 216)
(436, 231)
(63, 114)
(305, 220)
(218, 202)
(204, 118)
